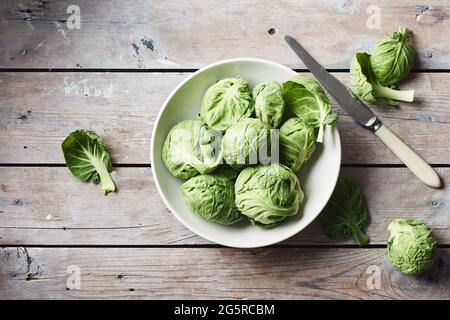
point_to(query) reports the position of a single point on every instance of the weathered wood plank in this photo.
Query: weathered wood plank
(213, 273)
(190, 34)
(48, 206)
(38, 110)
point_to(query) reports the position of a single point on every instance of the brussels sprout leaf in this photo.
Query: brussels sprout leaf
(307, 100)
(346, 213)
(88, 159)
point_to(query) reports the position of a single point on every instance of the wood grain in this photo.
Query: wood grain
(48, 206)
(38, 110)
(213, 273)
(189, 34)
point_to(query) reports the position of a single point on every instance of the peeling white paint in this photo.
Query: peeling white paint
(167, 62)
(344, 6)
(63, 33)
(48, 217)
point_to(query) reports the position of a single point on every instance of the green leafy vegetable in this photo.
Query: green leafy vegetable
(411, 246)
(226, 102)
(245, 142)
(393, 57)
(88, 159)
(307, 100)
(269, 103)
(267, 194)
(191, 148)
(346, 212)
(367, 86)
(297, 143)
(227, 171)
(212, 197)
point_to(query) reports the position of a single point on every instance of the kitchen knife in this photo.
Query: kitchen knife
(366, 118)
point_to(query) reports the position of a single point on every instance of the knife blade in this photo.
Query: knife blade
(361, 114)
(343, 95)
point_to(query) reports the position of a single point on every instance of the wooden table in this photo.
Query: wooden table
(112, 76)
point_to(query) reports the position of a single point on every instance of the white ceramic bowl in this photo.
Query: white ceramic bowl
(317, 178)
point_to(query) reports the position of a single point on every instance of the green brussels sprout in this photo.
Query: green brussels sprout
(227, 171)
(269, 103)
(245, 143)
(297, 143)
(226, 102)
(308, 101)
(411, 246)
(393, 57)
(191, 148)
(212, 197)
(267, 194)
(366, 85)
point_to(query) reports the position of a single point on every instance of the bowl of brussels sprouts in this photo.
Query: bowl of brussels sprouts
(244, 152)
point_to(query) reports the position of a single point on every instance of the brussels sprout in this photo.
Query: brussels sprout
(191, 148)
(269, 104)
(411, 246)
(367, 86)
(267, 194)
(346, 214)
(226, 102)
(88, 158)
(393, 58)
(297, 143)
(245, 142)
(212, 197)
(307, 100)
(227, 171)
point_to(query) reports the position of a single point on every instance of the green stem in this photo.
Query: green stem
(106, 180)
(388, 93)
(320, 134)
(360, 237)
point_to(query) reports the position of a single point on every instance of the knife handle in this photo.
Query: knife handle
(412, 160)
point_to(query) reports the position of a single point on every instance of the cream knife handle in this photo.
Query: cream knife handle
(412, 160)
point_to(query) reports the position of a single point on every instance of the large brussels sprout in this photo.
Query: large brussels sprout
(269, 103)
(246, 142)
(191, 148)
(226, 102)
(393, 57)
(297, 143)
(411, 246)
(267, 194)
(212, 197)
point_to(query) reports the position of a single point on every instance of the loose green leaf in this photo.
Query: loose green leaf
(393, 57)
(346, 213)
(88, 159)
(366, 86)
(307, 100)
